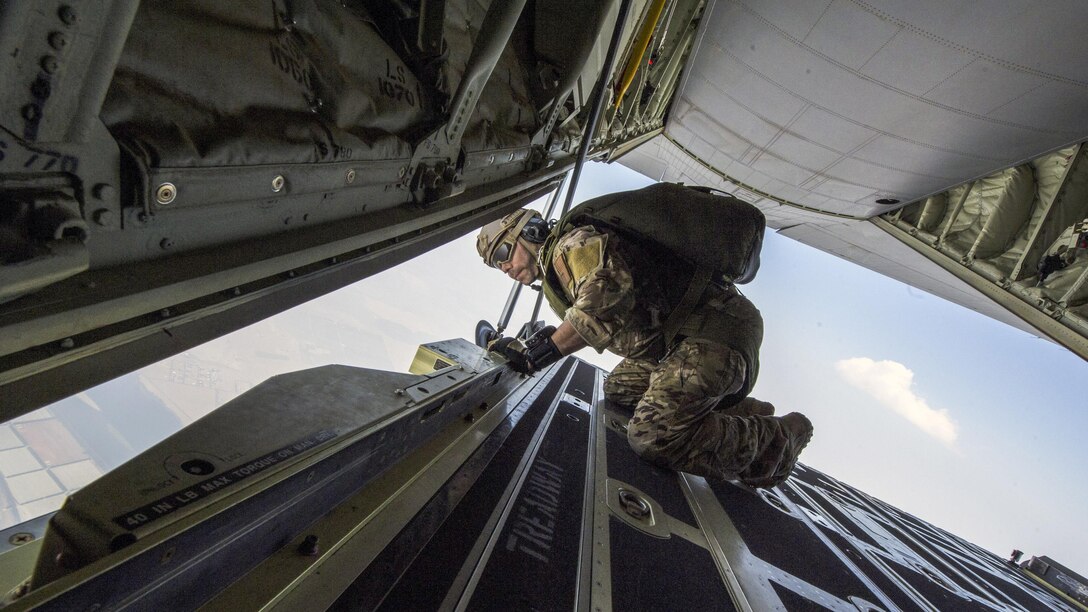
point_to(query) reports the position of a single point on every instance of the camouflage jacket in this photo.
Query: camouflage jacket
(617, 295)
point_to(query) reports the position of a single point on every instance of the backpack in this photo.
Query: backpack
(720, 236)
(708, 230)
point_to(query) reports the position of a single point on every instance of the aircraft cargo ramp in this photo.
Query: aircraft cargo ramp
(466, 486)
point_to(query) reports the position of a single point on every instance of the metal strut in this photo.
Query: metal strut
(599, 91)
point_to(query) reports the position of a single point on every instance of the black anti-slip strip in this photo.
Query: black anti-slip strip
(650, 573)
(788, 543)
(534, 565)
(454, 516)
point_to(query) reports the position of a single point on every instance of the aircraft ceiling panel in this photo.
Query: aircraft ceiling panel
(837, 105)
(856, 240)
(867, 245)
(662, 160)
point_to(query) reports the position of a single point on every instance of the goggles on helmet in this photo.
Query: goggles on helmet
(505, 251)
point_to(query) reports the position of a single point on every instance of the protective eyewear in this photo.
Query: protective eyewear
(503, 253)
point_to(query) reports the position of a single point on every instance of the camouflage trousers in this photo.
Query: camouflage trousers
(678, 422)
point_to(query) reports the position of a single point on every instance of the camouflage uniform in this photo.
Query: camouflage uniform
(691, 410)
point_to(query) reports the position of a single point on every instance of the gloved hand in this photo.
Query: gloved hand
(514, 352)
(541, 350)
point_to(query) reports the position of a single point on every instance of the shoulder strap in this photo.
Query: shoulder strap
(548, 283)
(698, 284)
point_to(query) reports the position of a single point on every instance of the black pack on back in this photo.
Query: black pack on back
(710, 230)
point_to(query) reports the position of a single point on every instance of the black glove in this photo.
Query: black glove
(514, 352)
(541, 350)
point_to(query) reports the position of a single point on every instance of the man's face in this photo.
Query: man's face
(521, 266)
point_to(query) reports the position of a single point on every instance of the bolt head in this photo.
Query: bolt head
(166, 193)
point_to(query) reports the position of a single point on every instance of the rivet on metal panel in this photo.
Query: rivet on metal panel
(277, 183)
(166, 243)
(58, 40)
(50, 64)
(103, 216)
(403, 171)
(103, 191)
(67, 14)
(166, 193)
(351, 176)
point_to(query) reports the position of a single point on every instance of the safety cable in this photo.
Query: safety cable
(599, 91)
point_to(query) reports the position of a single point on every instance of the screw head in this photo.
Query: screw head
(21, 538)
(166, 193)
(277, 183)
(351, 176)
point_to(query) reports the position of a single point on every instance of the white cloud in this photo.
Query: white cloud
(889, 382)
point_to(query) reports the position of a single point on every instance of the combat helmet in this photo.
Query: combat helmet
(497, 239)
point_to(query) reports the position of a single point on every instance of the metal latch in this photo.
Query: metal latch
(634, 505)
